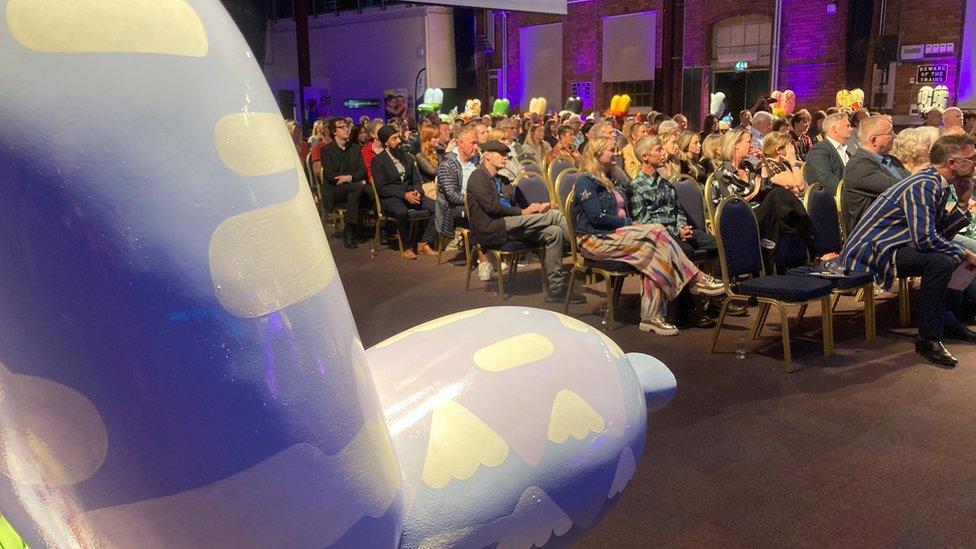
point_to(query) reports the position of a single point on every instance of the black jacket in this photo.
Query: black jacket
(485, 210)
(348, 161)
(864, 179)
(389, 183)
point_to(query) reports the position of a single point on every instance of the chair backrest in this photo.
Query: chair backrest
(737, 236)
(790, 252)
(692, 201)
(531, 188)
(308, 169)
(565, 185)
(532, 167)
(710, 207)
(820, 205)
(570, 224)
(839, 201)
(619, 161)
(557, 168)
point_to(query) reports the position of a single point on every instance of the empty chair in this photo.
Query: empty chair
(565, 185)
(740, 256)
(531, 189)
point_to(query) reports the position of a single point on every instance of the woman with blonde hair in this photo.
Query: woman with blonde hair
(606, 232)
(688, 156)
(634, 130)
(668, 131)
(711, 155)
(779, 158)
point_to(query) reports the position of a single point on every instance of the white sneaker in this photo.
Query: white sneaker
(485, 271)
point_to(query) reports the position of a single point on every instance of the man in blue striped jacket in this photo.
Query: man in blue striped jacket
(907, 230)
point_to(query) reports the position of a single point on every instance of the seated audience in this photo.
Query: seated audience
(912, 147)
(343, 176)
(969, 122)
(779, 159)
(815, 133)
(535, 145)
(318, 133)
(826, 160)
(777, 209)
(495, 219)
(452, 183)
(372, 147)
(906, 219)
(745, 120)
(564, 150)
(933, 118)
(682, 121)
(856, 118)
(301, 146)
(513, 166)
(709, 126)
(871, 170)
(607, 233)
(762, 124)
(688, 157)
(952, 118)
(711, 156)
(398, 184)
(799, 126)
(634, 131)
(781, 125)
(668, 131)
(428, 160)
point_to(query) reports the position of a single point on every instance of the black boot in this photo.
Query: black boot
(349, 237)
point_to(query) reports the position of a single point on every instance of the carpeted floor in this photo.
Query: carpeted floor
(870, 447)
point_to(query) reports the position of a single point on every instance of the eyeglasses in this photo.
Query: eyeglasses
(966, 158)
(342, 127)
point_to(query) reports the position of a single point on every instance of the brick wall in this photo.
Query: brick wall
(812, 43)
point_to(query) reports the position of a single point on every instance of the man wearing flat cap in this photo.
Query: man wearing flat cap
(496, 219)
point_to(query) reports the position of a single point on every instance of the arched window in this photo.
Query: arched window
(746, 38)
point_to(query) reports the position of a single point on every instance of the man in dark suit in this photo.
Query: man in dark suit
(902, 234)
(827, 159)
(495, 219)
(398, 184)
(871, 170)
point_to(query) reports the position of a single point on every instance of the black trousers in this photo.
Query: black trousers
(933, 300)
(685, 305)
(350, 194)
(400, 209)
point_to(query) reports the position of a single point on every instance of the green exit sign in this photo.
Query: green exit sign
(741, 66)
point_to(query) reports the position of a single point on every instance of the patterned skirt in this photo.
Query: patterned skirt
(650, 250)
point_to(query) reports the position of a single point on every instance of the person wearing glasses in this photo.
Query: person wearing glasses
(906, 230)
(871, 170)
(343, 176)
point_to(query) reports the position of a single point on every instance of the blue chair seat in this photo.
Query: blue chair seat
(852, 280)
(793, 289)
(418, 214)
(607, 265)
(514, 246)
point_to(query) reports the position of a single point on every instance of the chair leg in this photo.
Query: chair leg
(501, 277)
(440, 247)
(376, 238)
(569, 290)
(784, 319)
(869, 314)
(467, 264)
(718, 323)
(542, 271)
(608, 316)
(760, 321)
(828, 326)
(800, 314)
(904, 306)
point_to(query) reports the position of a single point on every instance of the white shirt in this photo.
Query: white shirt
(841, 150)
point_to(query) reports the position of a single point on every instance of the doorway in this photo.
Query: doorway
(742, 89)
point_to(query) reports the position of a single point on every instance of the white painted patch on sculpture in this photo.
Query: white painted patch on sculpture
(428, 326)
(626, 467)
(266, 259)
(254, 143)
(533, 522)
(460, 443)
(167, 27)
(513, 352)
(572, 323)
(572, 417)
(50, 434)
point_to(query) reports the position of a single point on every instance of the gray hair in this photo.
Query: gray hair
(762, 116)
(644, 146)
(832, 120)
(668, 126)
